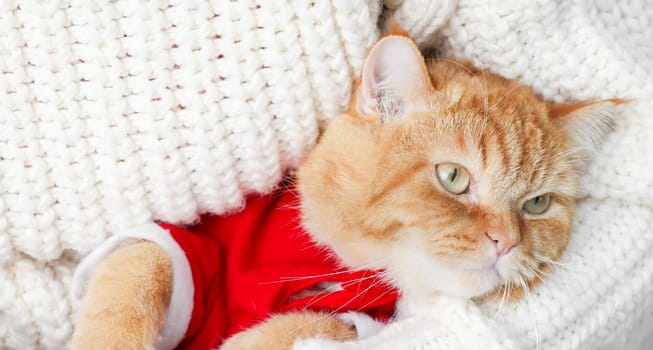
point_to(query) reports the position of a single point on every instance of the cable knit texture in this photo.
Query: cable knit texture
(115, 113)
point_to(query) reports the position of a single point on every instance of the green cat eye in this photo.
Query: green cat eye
(537, 205)
(452, 177)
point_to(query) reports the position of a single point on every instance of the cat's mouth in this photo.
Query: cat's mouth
(474, 278)
(480, 267)
(487, 270)
(499, 265)
(468, 265)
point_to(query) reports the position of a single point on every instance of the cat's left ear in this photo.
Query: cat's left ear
(586, 123)
(394, 80)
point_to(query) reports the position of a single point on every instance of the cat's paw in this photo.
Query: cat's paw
(249, 340)
(107, 341)
(280, 331)
(361, 322)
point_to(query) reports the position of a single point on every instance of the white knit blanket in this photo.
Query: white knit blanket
(114, 113)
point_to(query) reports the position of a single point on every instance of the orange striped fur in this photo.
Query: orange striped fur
(369, 188)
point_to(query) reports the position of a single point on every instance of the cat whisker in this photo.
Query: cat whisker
(506, 95)
(321, 296)
(284, 279)
(386, 292)
(486, 93)
(444, 59)
(527, 293)
(294, 223)
(315, 299)
(290, 206)
(339, 308)
(506, 291)
(540, 275)
(547, 260)
(372, 285)
(295, 204)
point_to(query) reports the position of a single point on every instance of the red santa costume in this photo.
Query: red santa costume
(231, 272)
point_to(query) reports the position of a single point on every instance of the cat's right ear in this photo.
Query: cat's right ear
(586, 123)
(394, 80)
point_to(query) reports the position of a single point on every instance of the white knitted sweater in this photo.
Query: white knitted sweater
(114, 113)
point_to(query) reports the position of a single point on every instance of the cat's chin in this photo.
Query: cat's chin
(417, 273)
(458, 282)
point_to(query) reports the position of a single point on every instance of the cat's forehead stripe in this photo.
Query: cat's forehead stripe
(514, 153)
(497, 136)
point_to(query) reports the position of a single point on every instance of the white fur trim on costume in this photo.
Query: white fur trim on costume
(181, 298)
(365, 325)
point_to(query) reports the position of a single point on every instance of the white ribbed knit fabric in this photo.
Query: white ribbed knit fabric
(113, 113)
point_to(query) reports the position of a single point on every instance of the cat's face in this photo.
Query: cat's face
(448, 178)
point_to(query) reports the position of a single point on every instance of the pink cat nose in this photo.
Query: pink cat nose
(503, 241)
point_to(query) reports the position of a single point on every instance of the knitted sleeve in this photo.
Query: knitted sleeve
(116, 113)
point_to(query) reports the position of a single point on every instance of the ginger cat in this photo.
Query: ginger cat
(441, 178)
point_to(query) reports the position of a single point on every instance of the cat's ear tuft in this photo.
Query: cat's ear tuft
(393, 80)
(586, 123)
